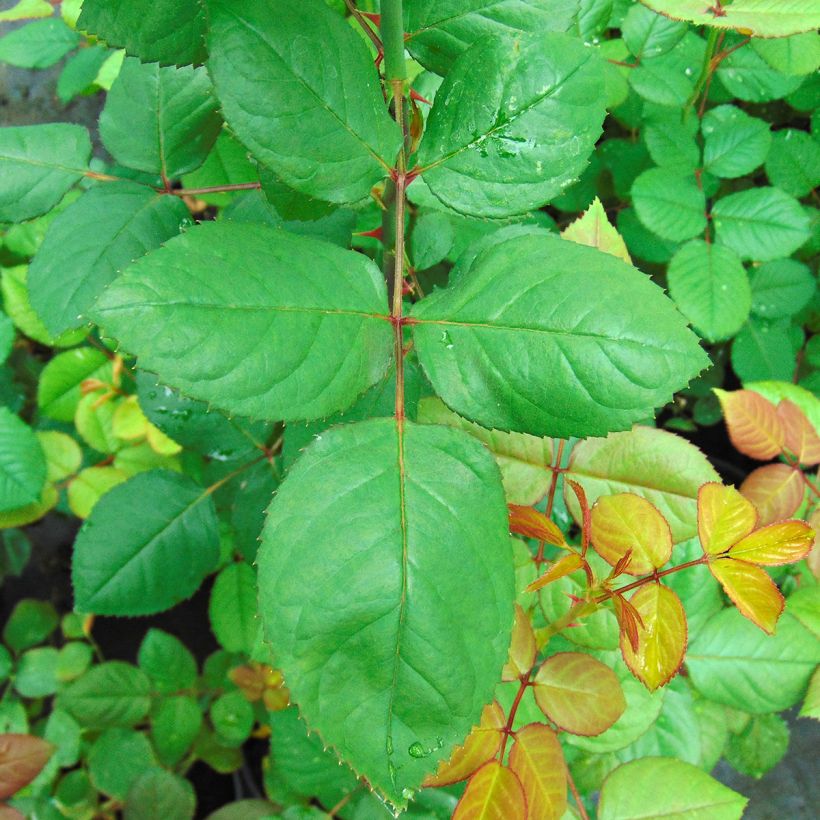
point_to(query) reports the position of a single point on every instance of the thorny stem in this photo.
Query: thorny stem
(556, 471)
(578, 802)
(216, 189)
(507, 730)
(649, 578)
(362, 21)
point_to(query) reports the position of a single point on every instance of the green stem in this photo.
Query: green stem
(391, 28)
(705, 72)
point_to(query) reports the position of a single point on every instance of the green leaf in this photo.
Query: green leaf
(670, 203)
(232, 609)
(612, 345)
(232, 718)
(167, 662)
(760, 223)
(301, 763)
(748, 77)
(733, 662)
(333, 140)
(764, 18)
(709, 284)
(688, 793)
(163, 121)
(763, 350)
(781, 288)
(38, 45)
(111, 694)
(22, 463)
(36, 675)
(227, 164)
(671, 146)
(793, 164)
(696, 587)
(798, 54)
(91, 242)
(760, 746)
(59, 388)
(431, 240)
(513, 124)
(389, 633)
(127, 564)
(439, 31)
(174, 727)
(80, 72)
(641, 242)
(158, 793)
(163, 31)
(29, 624)
(117, 758)
(524, 460)
(65, 734)
(647, 34)
(734, 144)
(26, 10)
(669, 79)
(661, 467)
(237, 292)
(38, 164)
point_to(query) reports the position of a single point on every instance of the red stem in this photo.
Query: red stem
(507, 730)
(578, 802)
(649, 578)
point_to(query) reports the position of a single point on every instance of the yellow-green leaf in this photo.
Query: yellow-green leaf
(724, 517)
(537, 760)
(782, 543)
(595, 230)
(493, 793)
(752, 591)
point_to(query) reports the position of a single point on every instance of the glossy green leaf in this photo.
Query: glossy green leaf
(159, 793)
(524, 460)
(647, 34)
(333, 140)
(765, 18)
(431, 239)
(513, 124)
(664, 468)
(710, 286)
(400, 621)
(687, 793)
(80, 72)
(111, 694)
(670, 203)
(760, 746)
(167, 662)
(304, 766)
(232, 717)
(117, 758)
(612, 345)
(748, 77)
(36, 674)
(59, 387)
(760, 223)
(671, 146)
(227, 164)
(163, 121)
(798, 54)
(669, 79)
(38, 45)
(164, 31)
(174, 726)
(780, 288)
(733, 662)
(793, 164)
(439, 31)
(22, 463)
(29, 624)
(127, 564)
(38, 164)
(234, 293)
(91, 242)
(763, 350)
(232, 609)
(734, 143)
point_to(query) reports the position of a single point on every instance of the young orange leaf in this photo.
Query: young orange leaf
(751, 590)
(493, 793)
(776, 490)
(595, 230)
(724, 517)
(782, 543)
(661, 638)
(534, 524)
(629, 620)
(481, 745)
(522, 648)
(624, 522)
(578, 693)
(813, 558)
(754, 427)
(586, 524)
(563, 566)
(537, 760)
(800, 436)
(8, 813)
(21, 759)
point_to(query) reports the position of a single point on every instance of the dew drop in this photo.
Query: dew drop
(417, 750)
